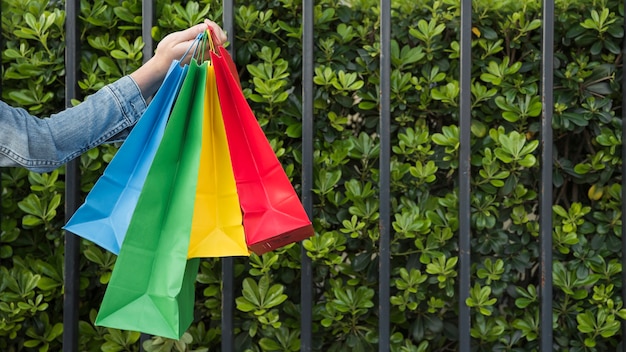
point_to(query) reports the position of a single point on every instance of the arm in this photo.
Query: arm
(44, 144)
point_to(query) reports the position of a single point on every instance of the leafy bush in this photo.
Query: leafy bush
(506, 110)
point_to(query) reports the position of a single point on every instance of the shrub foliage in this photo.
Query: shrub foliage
(506, 112)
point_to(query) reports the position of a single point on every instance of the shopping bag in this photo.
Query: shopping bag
(217, 229)
(104, 216)
(273, 215)
(152, 286)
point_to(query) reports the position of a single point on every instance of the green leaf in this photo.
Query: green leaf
(109, 66)
(269, 345)
(251, 292)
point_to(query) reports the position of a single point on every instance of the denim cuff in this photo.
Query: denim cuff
(132, 105)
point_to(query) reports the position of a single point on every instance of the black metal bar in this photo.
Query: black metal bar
(228, 308)
(72, 187)
(228, 18)
(384, 274)
(547, 85)
(228, 264)
(623, 182)
(2, 47)
(306, 279)
(148, 14)
(464, 176)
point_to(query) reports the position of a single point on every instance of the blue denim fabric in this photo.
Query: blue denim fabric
(43, 145)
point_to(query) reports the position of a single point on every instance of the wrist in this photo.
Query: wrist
(150, 76)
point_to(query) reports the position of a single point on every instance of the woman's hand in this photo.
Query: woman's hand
(174, 45)
(151, 74)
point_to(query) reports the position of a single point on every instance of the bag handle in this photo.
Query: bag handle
(195, 44)
(200, 42)
(206, 39)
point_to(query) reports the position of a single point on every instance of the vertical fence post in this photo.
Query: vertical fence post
(547, 55)
(623, 181)
(384, 164)
(147, 20)
(148, 14)
(464, 176)
(228, 263)
(2, 47)
(306, 278)
(72, 188)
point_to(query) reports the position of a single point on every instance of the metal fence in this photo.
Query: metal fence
(70, 337)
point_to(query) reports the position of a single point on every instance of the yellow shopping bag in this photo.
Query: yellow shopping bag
(217, 225)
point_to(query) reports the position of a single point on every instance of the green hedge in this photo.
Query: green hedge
(506, 109)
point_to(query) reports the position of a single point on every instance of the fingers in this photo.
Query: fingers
(178, 43)
(191, 33)
(218, 34)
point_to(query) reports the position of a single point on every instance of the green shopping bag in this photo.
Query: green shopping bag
(152, 286)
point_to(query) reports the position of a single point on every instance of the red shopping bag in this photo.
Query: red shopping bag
(273, 215)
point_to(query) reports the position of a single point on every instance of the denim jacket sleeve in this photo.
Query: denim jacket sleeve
(42, 145)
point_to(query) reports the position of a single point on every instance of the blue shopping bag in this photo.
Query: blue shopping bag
(105, 215)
